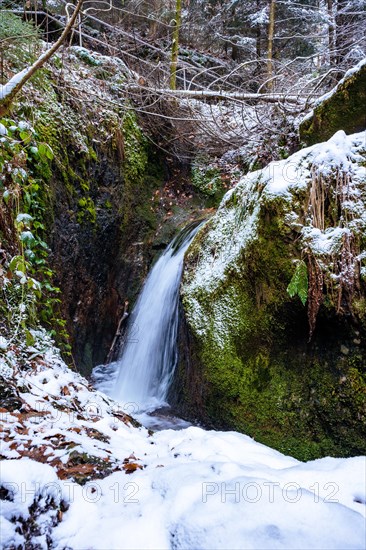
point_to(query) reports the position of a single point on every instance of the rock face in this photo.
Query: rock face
(253, 357)
(99, 246)
(341, 109)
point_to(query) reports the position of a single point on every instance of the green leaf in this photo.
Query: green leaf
(6, 196)
(45, 151)
(38, 225)
(49, 153)
(17, 264)
(25, 136)
(30, 255)
(29, 339)
(299, 282)
(24, 219)
(27, 238)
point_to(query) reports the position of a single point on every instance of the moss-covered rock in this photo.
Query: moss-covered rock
(246, 360)
(341, 109)
(96, 195)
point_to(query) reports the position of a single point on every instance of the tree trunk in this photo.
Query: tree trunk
(343, 32)
(175, 45)
(251, 98)
(271, 26)
(331, 33)
(258, 48)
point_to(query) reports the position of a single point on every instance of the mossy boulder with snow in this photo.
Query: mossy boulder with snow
(250, 365)
(341, 109)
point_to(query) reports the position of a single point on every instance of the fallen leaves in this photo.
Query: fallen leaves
(130, 465)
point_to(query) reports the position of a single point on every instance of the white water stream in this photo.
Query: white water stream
(144, 371)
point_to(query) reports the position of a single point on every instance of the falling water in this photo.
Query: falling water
(149, 356)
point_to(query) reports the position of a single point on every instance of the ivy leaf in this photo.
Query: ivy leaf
(25, 136)
(45, 151)
(30, 255)
(299, 282)
(27, 238)
(23, 218)
(29, 338)
(6, 196)
(17, 264)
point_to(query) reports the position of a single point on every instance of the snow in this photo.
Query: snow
(339, 151)
(181, 498)
(207, 490)
(6, 89)
(353, 70)
(24, 125)
(3, 130)
(24, 218)
(27, 484)
(193, 488)
(3, 343)
(325, 242)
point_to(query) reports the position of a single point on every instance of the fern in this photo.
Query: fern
(299, 282)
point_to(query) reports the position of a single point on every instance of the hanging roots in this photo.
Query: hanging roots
(317, 198)
(327, 206)
(315, 292)
(347, 274)
(333, 208)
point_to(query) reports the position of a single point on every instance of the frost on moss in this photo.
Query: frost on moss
(257, 371)
(341, 109)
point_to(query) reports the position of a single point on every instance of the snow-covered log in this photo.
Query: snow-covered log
(211, 94)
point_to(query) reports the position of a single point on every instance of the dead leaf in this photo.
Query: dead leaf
(131, 467)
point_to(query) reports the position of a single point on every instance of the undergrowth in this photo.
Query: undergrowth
(28, 295)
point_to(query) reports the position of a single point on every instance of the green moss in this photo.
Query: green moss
(344, 110)
(138, 174)
(291, 403)
(87, 56)
(255, 372)
(207, 180)
(92, 154)
(87, 211)
(135, 149)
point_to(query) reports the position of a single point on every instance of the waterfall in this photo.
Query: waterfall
(149, 355)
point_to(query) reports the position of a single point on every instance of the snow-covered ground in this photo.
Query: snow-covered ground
(67, 451)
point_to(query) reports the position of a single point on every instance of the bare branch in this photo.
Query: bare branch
(12, 88)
